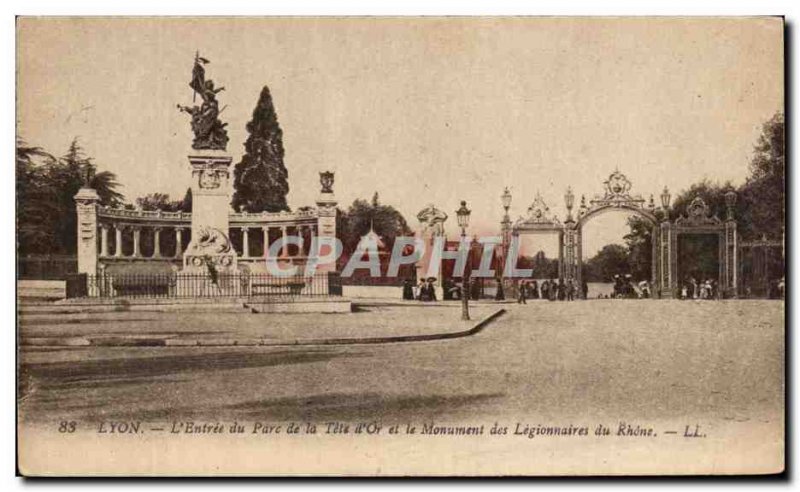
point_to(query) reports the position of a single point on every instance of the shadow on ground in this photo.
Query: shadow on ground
(340, 407)
(82, 375)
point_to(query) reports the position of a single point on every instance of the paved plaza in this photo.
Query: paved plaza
(649, 359)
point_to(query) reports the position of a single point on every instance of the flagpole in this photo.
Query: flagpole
(194, 91)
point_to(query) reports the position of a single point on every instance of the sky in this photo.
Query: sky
(421, 110)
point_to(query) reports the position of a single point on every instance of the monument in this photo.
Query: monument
(210, 248)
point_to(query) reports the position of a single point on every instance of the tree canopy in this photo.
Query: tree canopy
(356, 221)
(162, 201)
(46, 185)
(260, 179)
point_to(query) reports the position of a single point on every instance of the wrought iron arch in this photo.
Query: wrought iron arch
(641, 212)
(616, 197)
(539, 220)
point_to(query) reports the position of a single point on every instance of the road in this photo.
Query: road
(541, 359)
(664, 363)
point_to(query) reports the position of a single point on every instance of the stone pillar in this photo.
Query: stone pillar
(284, 246)
(326, 215)
(655, 275)
(118, 237)
(211, 210)
(86, 201)
(178, 242)
(265, 230)
(245, 242)
(669, 264)
(300, 230)
(103, 240)
(156, 242)
(730, 273)
(136, 236)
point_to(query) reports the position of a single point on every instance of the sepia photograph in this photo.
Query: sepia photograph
(381, 246)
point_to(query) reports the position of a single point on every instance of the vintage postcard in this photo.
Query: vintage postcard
(400, 246)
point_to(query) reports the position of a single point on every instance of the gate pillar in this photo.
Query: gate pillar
(86, 201)
(668, 262)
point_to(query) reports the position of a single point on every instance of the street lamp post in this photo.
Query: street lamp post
(730, 203)
(665, 199)
(463, 221)
(569, 200)
(506, 200)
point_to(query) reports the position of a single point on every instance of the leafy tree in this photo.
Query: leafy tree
(762, 197)
(609, 261)
(161, 201)
(46, 217)
(36, 200)
(356, 221)
(639, 242)
(712, 193)
(186, 203)
(542, 266)
(759, 209)
(260, 179)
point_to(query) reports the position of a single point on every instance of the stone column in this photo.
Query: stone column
(245, 242)
(136, 235)
(86, 201)
(210, 207)
(178, 242)
(326, 216)
(156, 242)
(284, 246)
(265, 230)
(118, 237)
(103, 240)
(306, 240)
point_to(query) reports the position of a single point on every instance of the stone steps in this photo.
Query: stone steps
(30, 311)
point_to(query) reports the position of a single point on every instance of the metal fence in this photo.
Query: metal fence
(177, 285)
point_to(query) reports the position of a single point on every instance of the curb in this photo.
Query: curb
(438, 304)
(251, 342)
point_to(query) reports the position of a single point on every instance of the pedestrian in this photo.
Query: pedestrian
(431, 290)
(644, 289)
(570, 290)
(408, 290)
(420, 289)
(562, 290)
(534, 290)
(585, 288)
(521, 294)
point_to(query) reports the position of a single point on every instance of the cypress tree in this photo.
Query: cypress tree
(260, 179)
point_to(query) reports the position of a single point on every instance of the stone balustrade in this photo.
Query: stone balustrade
(118, 227)
(119, 235)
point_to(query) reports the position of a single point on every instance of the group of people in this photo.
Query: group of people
(694, 289)
(624, 288)
(424, 290)
(550, 290)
